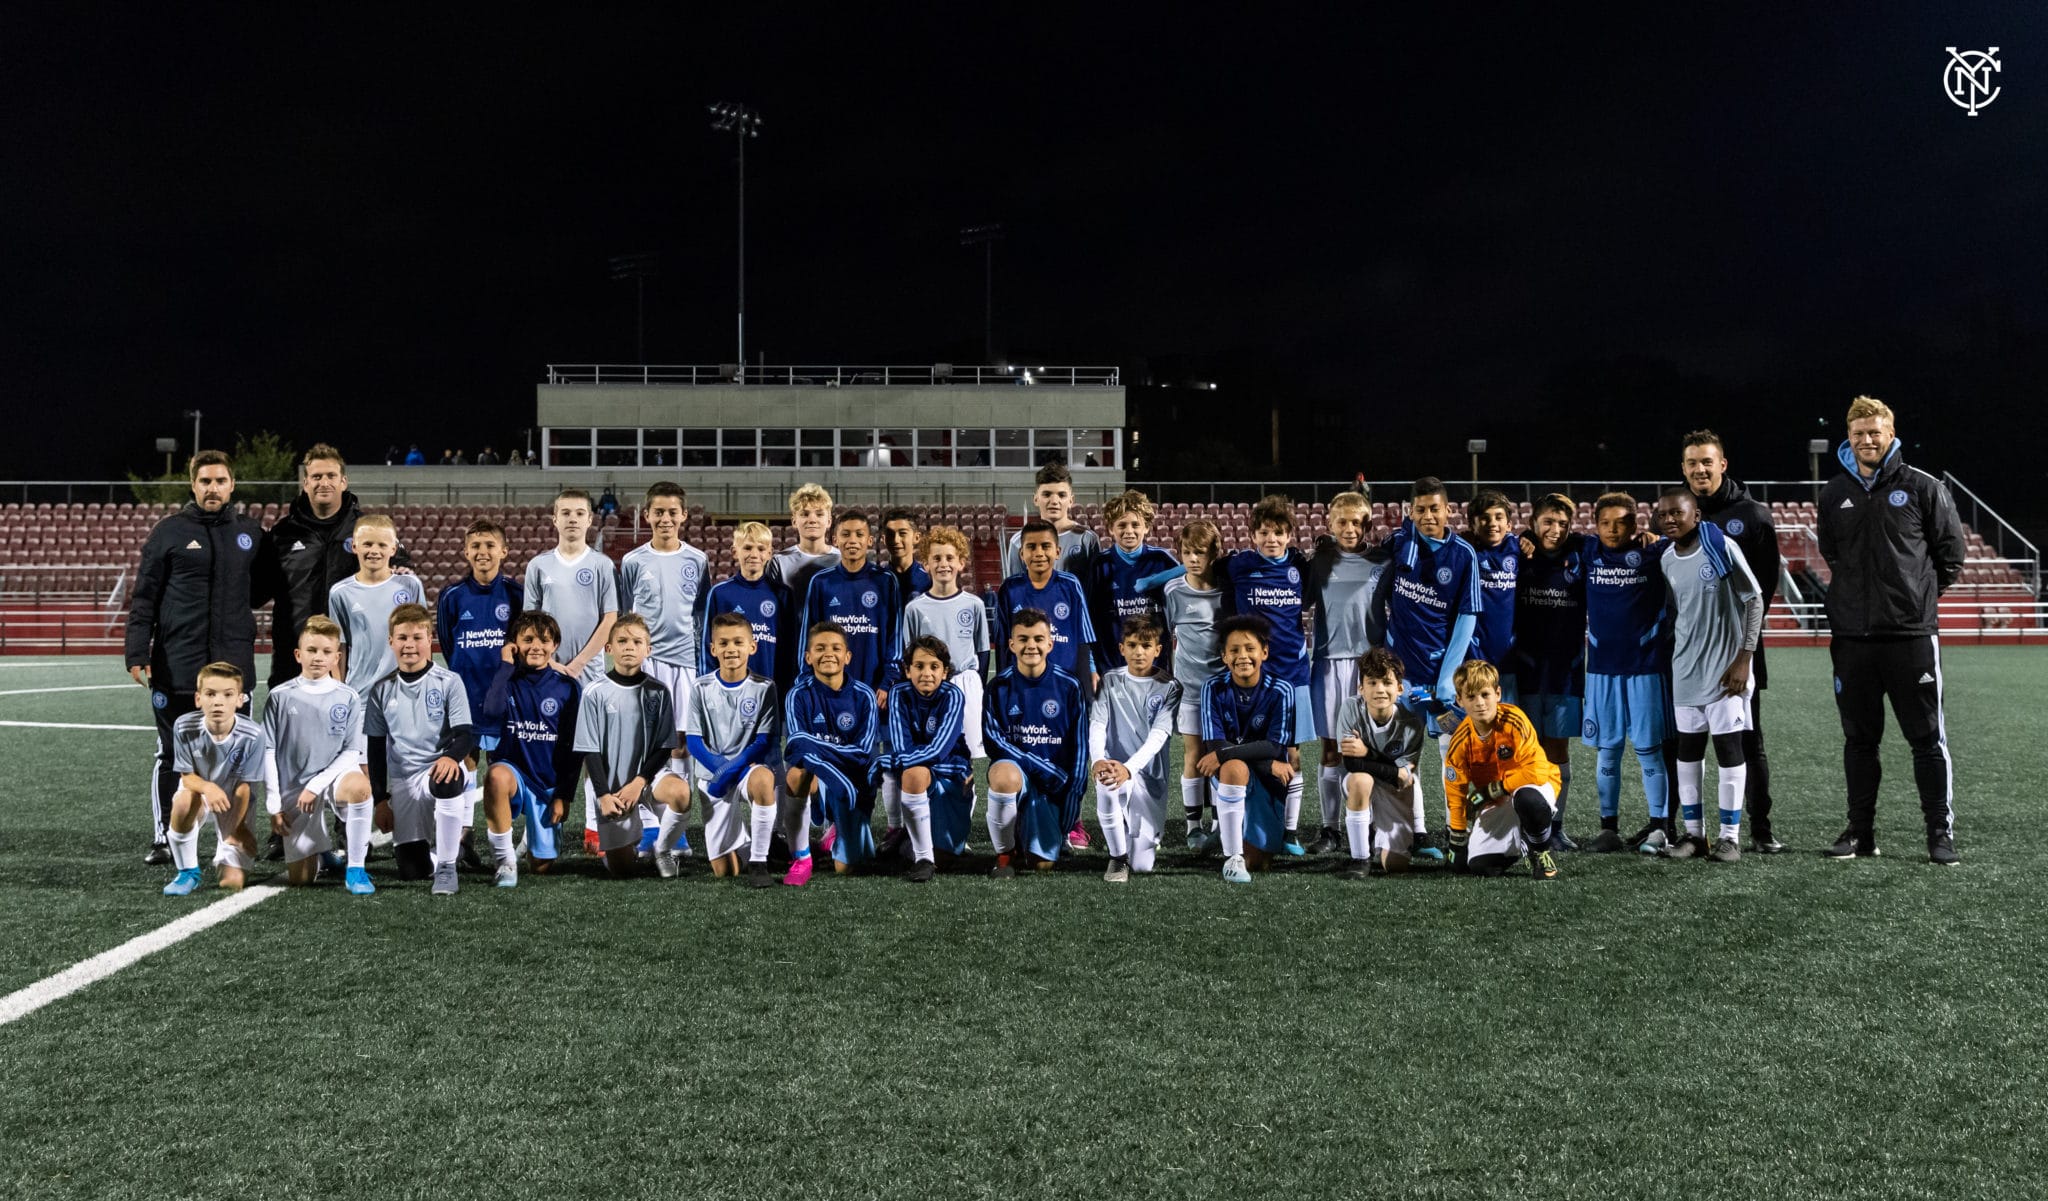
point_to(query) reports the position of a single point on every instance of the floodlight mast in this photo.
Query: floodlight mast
(744, 124)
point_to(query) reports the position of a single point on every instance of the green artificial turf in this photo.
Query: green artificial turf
(1783, 1027)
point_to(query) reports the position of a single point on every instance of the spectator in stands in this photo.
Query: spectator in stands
(461, 457)
(607, 505)
(531, 457)
(486, 458)
(448, 458)
(413, 457)
(193, 605)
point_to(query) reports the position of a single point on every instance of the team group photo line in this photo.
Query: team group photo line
(764, 716)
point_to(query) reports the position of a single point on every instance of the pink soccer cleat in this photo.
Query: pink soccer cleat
(1077, 838)
(830, 840)
(799, 873)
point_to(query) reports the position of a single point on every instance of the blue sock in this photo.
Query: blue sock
(1656, 785)
(1731, 822)
(1607, 783)
(1693, 815)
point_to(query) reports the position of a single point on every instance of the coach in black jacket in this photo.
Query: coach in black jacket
(1894, 544)
(1727, 504)
(309, 550)
(192, 606)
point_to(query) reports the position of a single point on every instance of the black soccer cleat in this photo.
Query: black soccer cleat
(159, 855)
(467, 857)
(1608, 842)
(273, 848)
(1326, 843)
(760, 875)
(921, 872)
(1852, 845)
(1941, 849)
(1763, 842)
(1355, 869)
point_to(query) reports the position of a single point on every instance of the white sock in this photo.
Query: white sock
(1331, 793)
(1230, 818)
(1732, 781)
(355, 831)
(1420, 827)
(450, 815)
(1296, 789)
(1358, 832)
(1690, 777)
(761, 832)
(917, 817)
(671, 828)
(1002, 820)
(501, 845)
(1144, 836)
(1191, 798)
(892, 800)
(184, 848)
(589, 805)
(1109, 810)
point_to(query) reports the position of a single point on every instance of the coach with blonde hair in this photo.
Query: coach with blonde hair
(1893, 541)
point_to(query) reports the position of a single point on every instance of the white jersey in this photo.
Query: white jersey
(363, 611)
(960, 621)
(415, 716)
(624, 725)
(728, 717)
(1131, 723)
(1717, 617)
(577, 593)
(794, 567)
(233, 758)
(1192, 613)
(667, 588)
(314, 730)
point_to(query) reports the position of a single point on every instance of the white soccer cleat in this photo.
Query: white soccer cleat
(1235, 872)
(668, 864)
(507, 875)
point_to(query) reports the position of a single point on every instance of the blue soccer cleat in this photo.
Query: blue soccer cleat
(1424, 854)
(647, 840)
(184, 884)
(1293, 845)
(358, 881)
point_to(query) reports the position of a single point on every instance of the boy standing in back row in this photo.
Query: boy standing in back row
(578, 586)
(1054, 499)
(667, 582)
(363, 603)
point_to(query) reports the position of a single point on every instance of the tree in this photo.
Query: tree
(268, 462)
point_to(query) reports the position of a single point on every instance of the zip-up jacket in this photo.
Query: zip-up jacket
(303, 556)
(1894, 543)
(193, 597)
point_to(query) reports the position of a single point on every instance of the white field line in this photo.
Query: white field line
(69, 725)
(11, 666)
(53, 988)
(69, 688)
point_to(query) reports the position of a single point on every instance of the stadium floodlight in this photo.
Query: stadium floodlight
(744, 124)
(986, 237)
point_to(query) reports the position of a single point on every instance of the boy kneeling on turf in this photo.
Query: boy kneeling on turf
(1502, 787)
(832, 723)
(1380, 742)
(419, 731)
(1248, 726)
(730, 726)
(217, 754)
(529, 727)
(625, 729)
(1128, 729)
(1033, 725)
(928, 756)
(313, 724)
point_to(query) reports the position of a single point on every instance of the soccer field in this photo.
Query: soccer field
(1784, 1027)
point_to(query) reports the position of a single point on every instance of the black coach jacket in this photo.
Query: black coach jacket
(1894, 543)
(303, 556)
(193, 597)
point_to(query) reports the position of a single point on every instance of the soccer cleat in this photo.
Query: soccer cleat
(1608, 842)
(1293, 845)
(828, 841)
(1326, 843)
(1560, 841)
(445, 880)
(159, 854)
(1852, 845)
(591, 843)
(332, 861)
(184, 884)
(921, 872)
(1654, 842)
(1077, 838)
(357, 881)
(1198, 841)
(1425, 853)
(1763, 842)
(1118, 872)
(1543, 865)
(760, 875)
(467, 858)
(1005, 868)
(895, 842)
(1726, 850)
(1637, 839)
(273, 848)
(799, 873)
(1235, 872)
(1355, 869)
(507, 874)
(1941, 849)
(1691, 846)
(666, 864)
(380, 840)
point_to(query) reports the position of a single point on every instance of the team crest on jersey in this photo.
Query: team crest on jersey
(159, 700)
(436, 703)
(1633, 558)
(1898, 498)
(1511, 565)
(244, 541)
(749, 705)
(966, 619)
(503, 611)
(931, 724)
(1050, 708)
(1060, 611)
(846, 721)
(1259, 722)
(1294, 575)
(868, 599)
(1505, 753)
(1707, 572)
(1592, 731)
(1443, 576)
(690, 572)
(1153, 706)
(768, 607)
(1735, 528)
(584, 576)
(337, 714)
(400, 596)
(550, 706)
(1838, 685)
(348, 545)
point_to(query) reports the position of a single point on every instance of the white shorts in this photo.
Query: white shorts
(728, 819)
(412, 807)
(1189, 721)
(1392, 811)
(618, 833)
(1498, 830)
(970, 716)
(306, 834)
(1145, 812)
(678, 679)
(1332, 682)
(1728, 715)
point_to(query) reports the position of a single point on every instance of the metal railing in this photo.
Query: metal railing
(1997, 531)
(833, 376)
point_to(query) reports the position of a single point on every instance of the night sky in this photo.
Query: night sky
(1554, 231)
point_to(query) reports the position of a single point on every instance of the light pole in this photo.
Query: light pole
(195, 415)
(986, 237)
(1475, 447)
(636, 267)
(743, 123)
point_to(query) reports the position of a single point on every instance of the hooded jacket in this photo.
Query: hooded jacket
(1747, 521)
(193, 597)
(1894, 543)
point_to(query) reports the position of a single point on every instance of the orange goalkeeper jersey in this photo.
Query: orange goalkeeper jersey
(1508, 758)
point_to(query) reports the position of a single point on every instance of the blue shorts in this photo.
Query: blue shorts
(1625, 709)
(1043, 820)
(1510, 692)
(1265, 819)
(540, 836)
(1304, 713)
(849, 809)
(952, 809)
(1555, 715)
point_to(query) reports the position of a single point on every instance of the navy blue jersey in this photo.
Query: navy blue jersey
(1271, 588)
(1262, 713)
(470, 621)
(1624, 610)
(1065, 604)
(831, 726)
(1113, 596)
(927, 731)
(1498, 567)
(1550, 623)
(915, 582)
(1428, 590)
(1041, 725)
(863, 602)
(766, 606)
(532, 714)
